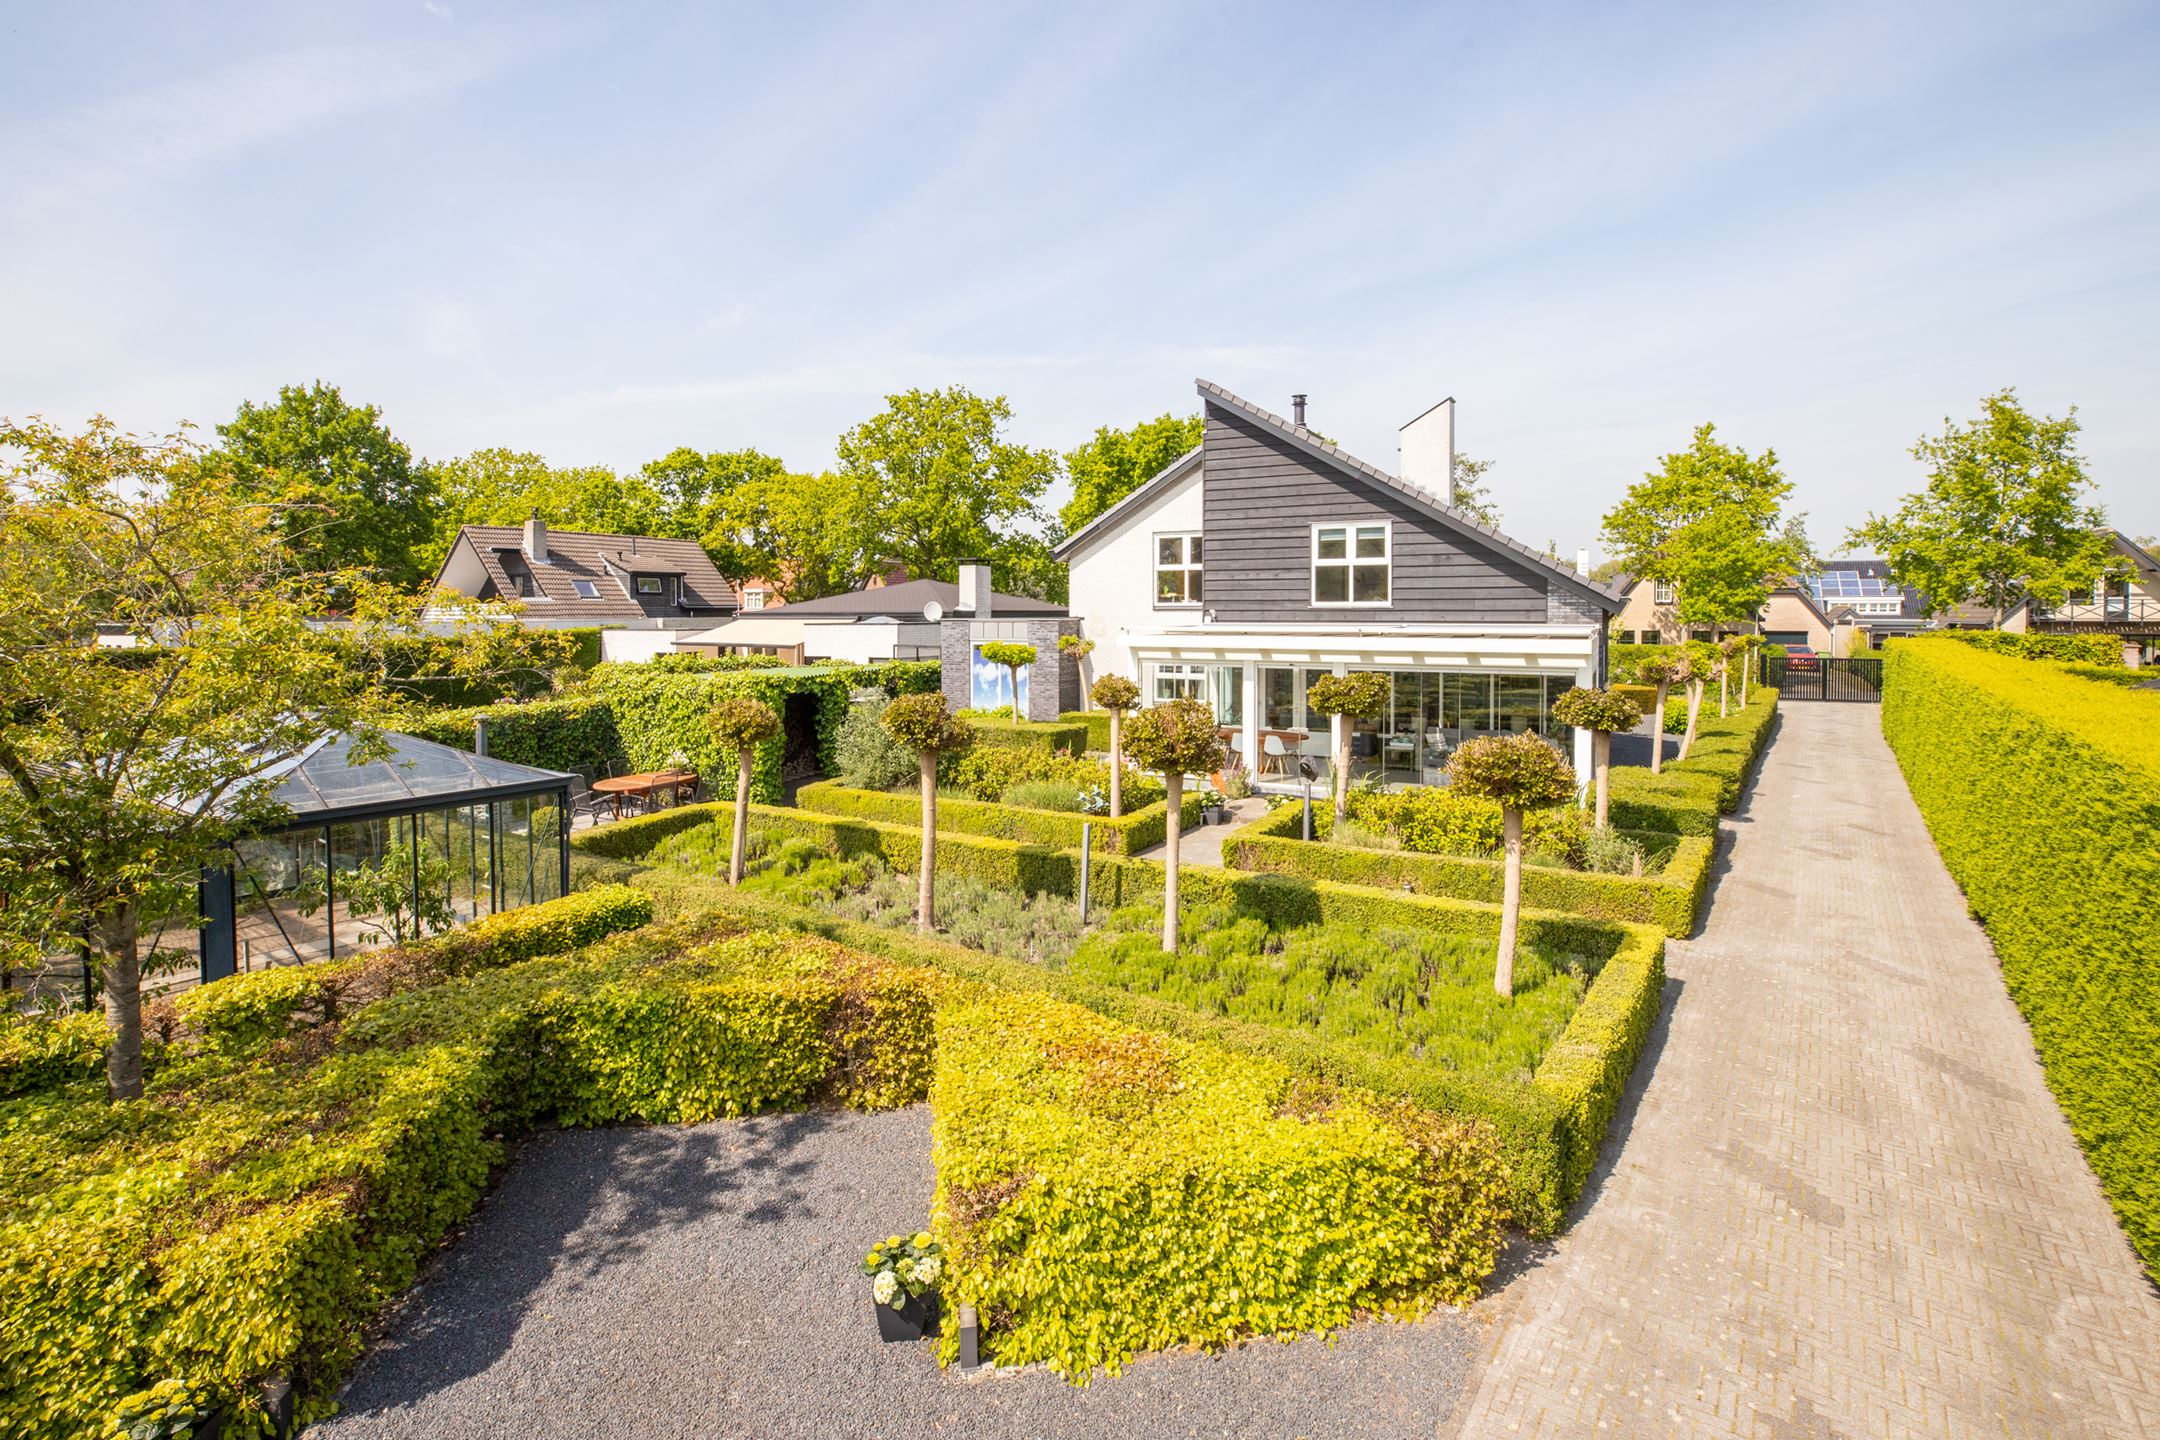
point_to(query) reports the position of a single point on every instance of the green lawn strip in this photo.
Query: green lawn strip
(1129, 834)
(1669, 895)
(1550, 1128)
(2042, 791)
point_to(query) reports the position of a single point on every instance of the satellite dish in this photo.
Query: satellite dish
(932, 611)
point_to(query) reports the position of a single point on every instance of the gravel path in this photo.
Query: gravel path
(702, 1281)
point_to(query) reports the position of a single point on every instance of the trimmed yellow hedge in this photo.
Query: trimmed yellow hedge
(1689, 795)
(1129, 834)
(1098, 726)
(1549, 1130)
(1668, 897)
(1029, 734)
(2042, 791)
(1103, 1191)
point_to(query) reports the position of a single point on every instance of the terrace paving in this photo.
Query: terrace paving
(1840, 1200)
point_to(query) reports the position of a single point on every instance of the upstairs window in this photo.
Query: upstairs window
(1664, 594)
(525, 588)
(1177, 569)
(753, 599)
(649, 585)
(586, 590)
(1351, 564)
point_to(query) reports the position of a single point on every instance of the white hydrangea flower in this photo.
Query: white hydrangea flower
(927, 1270)
(885, 1287)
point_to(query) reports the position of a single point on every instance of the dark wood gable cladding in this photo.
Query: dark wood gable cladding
(1261, 497)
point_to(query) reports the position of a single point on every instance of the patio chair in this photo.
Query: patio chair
(1274, 756)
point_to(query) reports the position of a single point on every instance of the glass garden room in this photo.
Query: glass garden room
(385, 851)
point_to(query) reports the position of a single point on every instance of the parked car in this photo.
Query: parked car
(1799, 659)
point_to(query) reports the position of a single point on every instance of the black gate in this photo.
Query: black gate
(1818, 677)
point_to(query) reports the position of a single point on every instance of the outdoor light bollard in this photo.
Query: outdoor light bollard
(970, 1335)
(479, 737)
(1308, 809)
(1087, 846)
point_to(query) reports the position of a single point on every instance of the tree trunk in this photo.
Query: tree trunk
(1017, 716)
(1722, 704)
(1657, 732)
(1342, 766)
(925, 883)
(1117, 763)
(742, 816)
(1510, 902)
(1747, 673)
(1174, 782)
(1601, 751)
(121, 933)
(1694, 708)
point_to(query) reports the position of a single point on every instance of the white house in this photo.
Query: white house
(1267, 557)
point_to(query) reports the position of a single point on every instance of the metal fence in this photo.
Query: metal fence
(1820, 677)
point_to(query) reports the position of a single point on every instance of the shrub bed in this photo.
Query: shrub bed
(1549, 1129)
(1129, 834)
(990, 773)
(2042, 791)
(1105, 1191)
(1668, 895)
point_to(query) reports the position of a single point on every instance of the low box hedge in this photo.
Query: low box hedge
(1550, 1129)
(1688, 796)
(1130, 834)
(1668, 897)
(1052, 735)
(1098, 727)
(2042, 791)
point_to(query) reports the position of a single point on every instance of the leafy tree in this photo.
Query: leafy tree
(1472, 497)
(2003, 517)
(1176, 738)
(349, 496)
(1023, 565)
(1359, 694)
(933, 480)
(1663, 671)
(1520, 772)
(1601, 712)
(1015, 657)
(742, 723)
(1709, 521)
(698, 488)
(1117, 695)
(804, 533)
(922, 724)
(122, 777)
(1107, 468)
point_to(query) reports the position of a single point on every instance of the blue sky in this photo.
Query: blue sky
(601, 232)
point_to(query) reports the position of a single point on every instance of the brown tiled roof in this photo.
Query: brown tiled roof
(608, 562)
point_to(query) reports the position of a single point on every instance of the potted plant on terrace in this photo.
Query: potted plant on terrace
(904, 1271)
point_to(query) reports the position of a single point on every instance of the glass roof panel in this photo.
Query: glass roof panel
(417, 770)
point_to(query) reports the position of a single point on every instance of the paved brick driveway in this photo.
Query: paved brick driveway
(1847, 1204)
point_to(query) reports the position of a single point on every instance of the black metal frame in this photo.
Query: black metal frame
(1823, 677)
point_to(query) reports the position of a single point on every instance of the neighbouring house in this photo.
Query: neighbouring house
(889, 620)
(647, 591)
(481, 835)
(2125, 603)
(979, 616)
(1268, 557)
(1844, 604)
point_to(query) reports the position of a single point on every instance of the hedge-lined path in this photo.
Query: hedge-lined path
(1846, 1204)
(703, 1281)
(1202, 844)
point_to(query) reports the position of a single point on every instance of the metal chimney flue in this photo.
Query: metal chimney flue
(1297, 410)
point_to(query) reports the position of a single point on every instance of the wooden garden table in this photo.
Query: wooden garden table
(644, 782)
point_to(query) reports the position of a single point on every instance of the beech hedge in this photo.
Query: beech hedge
(1549, 1130)
(1689, 795)
(1669, 895)
(1055, 736)
(2042, 791)
(1098, 727)
(1129, 834)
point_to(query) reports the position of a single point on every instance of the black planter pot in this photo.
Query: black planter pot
(916, 1317)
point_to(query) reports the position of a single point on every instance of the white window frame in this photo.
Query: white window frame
(659, 586)
(1181, 675)
(1190, 568)
(1350, 562)
(1662, 592)
(753, 599)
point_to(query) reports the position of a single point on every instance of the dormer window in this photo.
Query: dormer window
(524, 586)
(649, 585)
